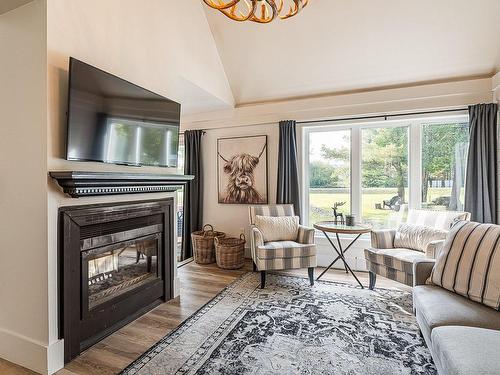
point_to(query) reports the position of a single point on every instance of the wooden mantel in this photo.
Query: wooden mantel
(81, 184)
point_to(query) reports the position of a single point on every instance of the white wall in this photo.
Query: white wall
(149, 43)
(264, 118)
(408, 99)
(233, 218)
(8, 5)
(23, 186)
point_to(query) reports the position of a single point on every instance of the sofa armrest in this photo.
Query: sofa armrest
(422, 271)
(383, 238)
(256, 240)
(432, 249)
(306, 235)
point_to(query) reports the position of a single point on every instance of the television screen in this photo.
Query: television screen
(111, 120)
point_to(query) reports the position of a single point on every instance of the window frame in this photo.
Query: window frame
(413, 123)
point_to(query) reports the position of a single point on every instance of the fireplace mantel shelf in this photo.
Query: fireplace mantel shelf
(81, 184)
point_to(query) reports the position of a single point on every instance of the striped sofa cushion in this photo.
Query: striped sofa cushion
(391, 273)
(285, 249)
(286, 263)
(398, 259)
(383, 238)
(271, 210)
(469, 263)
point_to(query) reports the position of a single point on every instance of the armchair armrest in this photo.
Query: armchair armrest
(432, 249)
(422, 271)
(256, 240)
(383, 238)
(306, 235)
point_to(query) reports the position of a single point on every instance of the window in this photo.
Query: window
(329, 173)
(444, 156)
(375, 170)
(384, 173)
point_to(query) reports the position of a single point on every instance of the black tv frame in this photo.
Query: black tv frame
(71, 62)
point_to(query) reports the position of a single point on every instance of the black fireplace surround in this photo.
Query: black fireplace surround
(116, 264)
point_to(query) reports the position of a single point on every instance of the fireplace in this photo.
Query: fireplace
(117, 263)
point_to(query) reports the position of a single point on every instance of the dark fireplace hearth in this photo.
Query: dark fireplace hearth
(116, 264)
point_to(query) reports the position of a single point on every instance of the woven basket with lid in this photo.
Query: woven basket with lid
(203, 244)
(230, 252)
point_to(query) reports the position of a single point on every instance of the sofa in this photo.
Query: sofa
(395, 262)
(463, 335)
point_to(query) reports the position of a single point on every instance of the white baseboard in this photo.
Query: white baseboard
(30, 353)
(55, 356)
(177, 287)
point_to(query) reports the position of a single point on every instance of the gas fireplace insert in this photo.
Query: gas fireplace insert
(116, 264)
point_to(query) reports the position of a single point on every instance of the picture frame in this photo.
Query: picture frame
(242, 171)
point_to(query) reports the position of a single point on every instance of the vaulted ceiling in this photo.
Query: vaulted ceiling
(343, 45)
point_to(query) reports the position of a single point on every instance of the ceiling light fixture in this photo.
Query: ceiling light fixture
(260, 11)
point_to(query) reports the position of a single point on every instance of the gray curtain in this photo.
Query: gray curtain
(481, 178)
(288, 170)
(193, 193)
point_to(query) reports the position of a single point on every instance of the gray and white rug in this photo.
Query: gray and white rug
(292, 328)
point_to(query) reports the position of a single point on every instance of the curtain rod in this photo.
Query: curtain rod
(228, 127)
(385, 117)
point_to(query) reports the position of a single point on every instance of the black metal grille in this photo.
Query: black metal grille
(100, 229)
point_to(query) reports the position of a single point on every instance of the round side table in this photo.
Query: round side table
(330, 227)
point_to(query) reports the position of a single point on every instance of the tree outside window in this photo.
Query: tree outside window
(381, 176)
(444, 156)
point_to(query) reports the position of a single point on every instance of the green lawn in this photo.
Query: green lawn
(321, 202)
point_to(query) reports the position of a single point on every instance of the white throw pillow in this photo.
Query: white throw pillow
(278, 228)
(417, 237)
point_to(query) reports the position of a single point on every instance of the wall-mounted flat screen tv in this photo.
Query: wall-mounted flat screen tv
(111, 120)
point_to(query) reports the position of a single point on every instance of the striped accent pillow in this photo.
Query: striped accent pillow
(469, 263)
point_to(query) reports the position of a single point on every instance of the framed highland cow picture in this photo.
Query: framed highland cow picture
(242, 170)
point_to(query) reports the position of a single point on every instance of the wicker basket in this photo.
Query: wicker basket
(230, 252)
(203, 244)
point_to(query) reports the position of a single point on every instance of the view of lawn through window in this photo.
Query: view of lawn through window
(384, 173)
(444, 157)
(329, 173)
(382, 170)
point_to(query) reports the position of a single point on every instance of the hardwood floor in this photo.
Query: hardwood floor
(199, 284)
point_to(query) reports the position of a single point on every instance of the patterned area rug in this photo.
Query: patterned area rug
(292, 328)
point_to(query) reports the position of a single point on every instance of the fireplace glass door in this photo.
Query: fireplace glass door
(114, 270)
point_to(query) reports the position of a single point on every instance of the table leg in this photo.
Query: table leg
(341, 251)
(331, 264)
(341, 256)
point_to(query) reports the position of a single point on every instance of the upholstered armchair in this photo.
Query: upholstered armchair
(397, 263)
(281, 255)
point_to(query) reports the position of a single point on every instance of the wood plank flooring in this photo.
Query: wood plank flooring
(199, 284)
